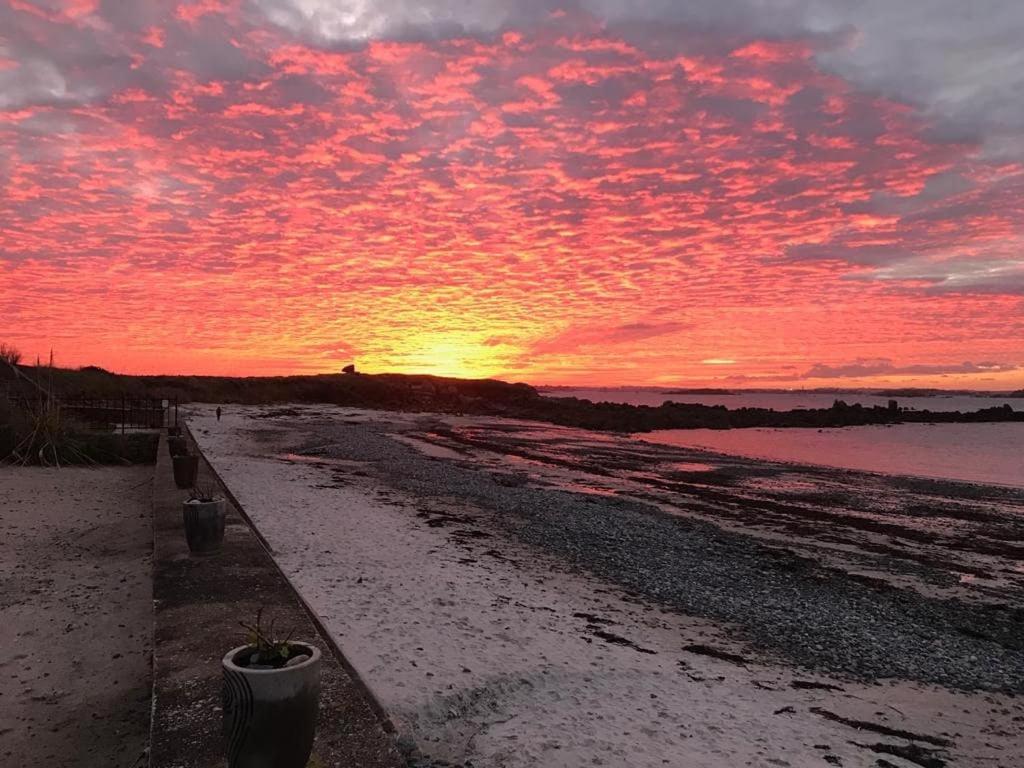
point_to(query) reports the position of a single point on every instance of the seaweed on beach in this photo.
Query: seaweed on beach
(778, 602)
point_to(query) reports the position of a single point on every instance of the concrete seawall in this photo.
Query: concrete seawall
(198, 604)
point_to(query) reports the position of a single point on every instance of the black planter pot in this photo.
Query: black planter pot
(270, 714)
(185, 470)
(178, 446)
(174, 431)
(204, 525)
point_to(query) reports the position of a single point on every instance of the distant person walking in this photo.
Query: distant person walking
(218, 413)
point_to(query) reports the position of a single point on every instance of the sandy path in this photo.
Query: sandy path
(76, 616)
(490, 652)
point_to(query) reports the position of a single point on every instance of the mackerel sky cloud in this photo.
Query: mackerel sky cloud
(729, 192)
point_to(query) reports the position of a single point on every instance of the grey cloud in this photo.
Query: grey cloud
(1011, 285)
(862, 255)
(960, 64)
(360, 20)
(350, 21)
(1004, 276)
(941, 186)
(36, 81)
(64, 62)
(884, 367)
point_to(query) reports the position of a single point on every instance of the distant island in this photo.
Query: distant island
(699, 391)
(477, 396)
(915, 392)
(890, 392)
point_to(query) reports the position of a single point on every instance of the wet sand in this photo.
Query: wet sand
(523, 595)
(76, 616)
(983, 453)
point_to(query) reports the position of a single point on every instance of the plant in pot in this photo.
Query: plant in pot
(271, 700)
(178, 446)
(174, 431)
(203, 514)
(186, 467)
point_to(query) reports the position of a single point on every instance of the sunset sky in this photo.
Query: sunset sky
(718, 192)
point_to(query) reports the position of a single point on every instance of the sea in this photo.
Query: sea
(990, 453)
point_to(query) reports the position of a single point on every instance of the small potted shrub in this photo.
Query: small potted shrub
(186, 467)
(203, 514)
(271, 700)
(174, 431)
(178, 446)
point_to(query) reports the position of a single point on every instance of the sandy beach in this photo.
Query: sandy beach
(76, 616)
(539, 384)
(520, 595)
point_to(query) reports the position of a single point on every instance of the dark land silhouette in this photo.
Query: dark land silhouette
(483, 397)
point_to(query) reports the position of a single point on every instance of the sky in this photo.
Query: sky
(735, 193)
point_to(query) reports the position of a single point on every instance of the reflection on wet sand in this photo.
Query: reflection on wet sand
(939, 531)
(511, 589)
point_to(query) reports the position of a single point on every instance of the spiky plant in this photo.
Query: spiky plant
(9, 354)
(48, 438)
(269, 650)
(202, 492)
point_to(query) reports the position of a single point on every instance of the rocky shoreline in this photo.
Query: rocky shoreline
(488, 397)
(798, 610)
(524, 595)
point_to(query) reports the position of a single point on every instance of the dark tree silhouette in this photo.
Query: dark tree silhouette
(9, 354)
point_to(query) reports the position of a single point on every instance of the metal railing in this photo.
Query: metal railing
(119, 414)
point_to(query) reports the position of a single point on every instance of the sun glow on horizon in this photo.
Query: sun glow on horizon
(439, 355)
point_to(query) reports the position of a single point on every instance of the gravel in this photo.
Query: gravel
(776, 602)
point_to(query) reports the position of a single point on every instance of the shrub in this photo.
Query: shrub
(39, 432)
(9, 354)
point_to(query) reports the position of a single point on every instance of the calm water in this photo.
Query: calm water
(784, 401)
(981, 453)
